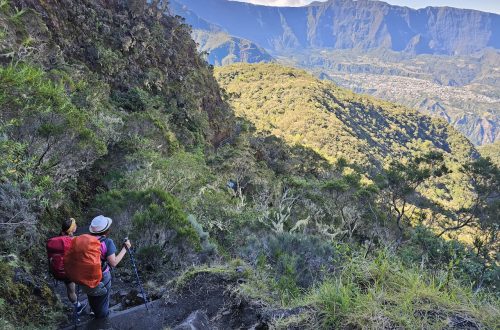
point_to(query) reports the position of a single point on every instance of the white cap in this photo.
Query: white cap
(100, 224)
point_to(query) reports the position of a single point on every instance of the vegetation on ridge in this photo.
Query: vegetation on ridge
(137, 128)
(339, 124)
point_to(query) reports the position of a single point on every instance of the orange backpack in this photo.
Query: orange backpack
(83, 261)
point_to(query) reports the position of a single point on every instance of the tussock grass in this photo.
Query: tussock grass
(382, 293)
(378, 292)
(303, 320)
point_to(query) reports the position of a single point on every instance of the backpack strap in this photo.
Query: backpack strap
(104, 262)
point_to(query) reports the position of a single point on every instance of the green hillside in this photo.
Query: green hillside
(282, 202)
(492, 151)
(335, 122)
(338, 124)
(462, 90)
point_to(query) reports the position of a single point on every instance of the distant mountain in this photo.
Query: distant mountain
(441, 61)
(223, 49)
(347, 24)
(220, 46)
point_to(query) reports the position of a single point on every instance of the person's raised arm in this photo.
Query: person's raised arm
(114, 259)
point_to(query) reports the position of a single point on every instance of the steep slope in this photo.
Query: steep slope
(223, 49)
(462, 90)
(345, 24)
(86, 86)
(294, 105)
(126, 62)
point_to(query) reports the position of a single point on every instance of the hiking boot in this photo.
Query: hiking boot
(80, 309)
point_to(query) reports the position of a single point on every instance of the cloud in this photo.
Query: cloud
(291, 3)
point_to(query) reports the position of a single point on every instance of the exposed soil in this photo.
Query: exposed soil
(212, 293)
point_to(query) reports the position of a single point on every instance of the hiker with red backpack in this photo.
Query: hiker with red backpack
(89, 260)
(56, 248)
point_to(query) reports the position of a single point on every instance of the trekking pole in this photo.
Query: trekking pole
(132, 259)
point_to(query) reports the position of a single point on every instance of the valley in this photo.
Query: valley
(253, 195)
(458, 84)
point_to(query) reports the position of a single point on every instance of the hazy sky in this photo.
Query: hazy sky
(484, 5)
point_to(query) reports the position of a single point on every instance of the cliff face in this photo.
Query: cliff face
(343, 24)
(224, 49)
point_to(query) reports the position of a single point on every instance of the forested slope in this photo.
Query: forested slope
(107, 108)
(341, 125)
(293, 104)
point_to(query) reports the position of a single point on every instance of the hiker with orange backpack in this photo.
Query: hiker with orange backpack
(56, 248)
(88, 263)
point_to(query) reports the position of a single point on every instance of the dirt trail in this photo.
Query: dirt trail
(212, 295)
(133, 318)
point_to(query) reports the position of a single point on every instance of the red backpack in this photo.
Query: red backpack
(56, 247)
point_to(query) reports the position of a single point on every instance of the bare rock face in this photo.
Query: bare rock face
(197, 320)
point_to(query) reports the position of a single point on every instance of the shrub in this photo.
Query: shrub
(51, 128)
(24, 302)
(181, 174)
(155, 221)
(300, 258)
(18, 218)
(221, 215)
(208, 247)
(428, 251)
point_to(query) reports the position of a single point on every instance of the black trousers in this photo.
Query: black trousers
(100, 304)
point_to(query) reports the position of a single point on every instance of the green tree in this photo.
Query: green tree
(399, 184)
(483, 212)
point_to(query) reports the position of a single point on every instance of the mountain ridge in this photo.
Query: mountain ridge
(341, 24)
(220, 48)
(107, 108)
(462, 89)
(223, 49)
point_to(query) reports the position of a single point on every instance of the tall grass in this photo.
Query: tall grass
(381, 293)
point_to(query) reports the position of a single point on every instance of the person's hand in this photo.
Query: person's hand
(127, 244)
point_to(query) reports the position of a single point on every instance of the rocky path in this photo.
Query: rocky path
(133, 318)
(206, 301)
